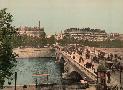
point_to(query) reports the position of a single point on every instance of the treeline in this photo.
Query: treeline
(102, 44)
(29, 41)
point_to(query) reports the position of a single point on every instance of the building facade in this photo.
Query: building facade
(32, 31)
(59, 36)
(121, 37)
(86, 34)
(114, 36)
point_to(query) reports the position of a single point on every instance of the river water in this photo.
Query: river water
(27, 67)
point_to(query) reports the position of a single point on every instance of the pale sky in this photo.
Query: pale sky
(57, 15)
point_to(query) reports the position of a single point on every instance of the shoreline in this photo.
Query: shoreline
(47, 52)
(118, 51)
(33, 57)
(34, 53)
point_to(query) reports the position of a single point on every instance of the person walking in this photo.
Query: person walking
(108, 75)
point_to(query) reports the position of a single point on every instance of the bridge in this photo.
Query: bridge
(74, 69)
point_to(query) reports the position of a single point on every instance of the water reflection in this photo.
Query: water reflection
(27, 67)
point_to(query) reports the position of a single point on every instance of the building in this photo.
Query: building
(59, 36)
(86, 34)
(121, 37)
(114, 36)
(32, 31)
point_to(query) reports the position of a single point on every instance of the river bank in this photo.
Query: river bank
(50, 87)
(118, 51)
(34, 52)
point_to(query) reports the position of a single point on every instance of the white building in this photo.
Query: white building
(86, 34)
(59, 36)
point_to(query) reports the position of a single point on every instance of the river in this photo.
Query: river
(27, 67)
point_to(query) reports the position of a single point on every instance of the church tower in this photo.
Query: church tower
(39, 25)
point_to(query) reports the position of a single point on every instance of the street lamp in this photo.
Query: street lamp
(36, 83)
(15, 79)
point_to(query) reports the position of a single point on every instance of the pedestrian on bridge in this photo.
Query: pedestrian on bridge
(108, 75)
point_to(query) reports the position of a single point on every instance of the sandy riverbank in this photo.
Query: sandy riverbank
(34, 52)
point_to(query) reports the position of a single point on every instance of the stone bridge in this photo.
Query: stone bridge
(75, 70)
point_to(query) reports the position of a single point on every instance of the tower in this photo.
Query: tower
(39, 25)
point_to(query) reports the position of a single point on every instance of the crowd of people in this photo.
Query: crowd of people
(94, 56)
(91, 58)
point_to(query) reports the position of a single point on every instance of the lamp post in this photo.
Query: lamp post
(15, 79)
(36, 83)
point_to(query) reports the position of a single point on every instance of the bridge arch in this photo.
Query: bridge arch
(75, 76)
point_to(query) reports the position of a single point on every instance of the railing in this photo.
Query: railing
(84, 69)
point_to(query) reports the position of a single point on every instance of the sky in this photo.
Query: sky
(57, 15)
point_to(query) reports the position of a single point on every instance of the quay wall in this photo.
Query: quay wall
(118, 51)
(34, 52)
(49, 87)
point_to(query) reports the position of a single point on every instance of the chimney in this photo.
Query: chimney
(39, 24)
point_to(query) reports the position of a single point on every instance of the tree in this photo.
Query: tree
(7, 57)
(51, 40)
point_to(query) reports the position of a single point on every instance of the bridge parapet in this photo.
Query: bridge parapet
(90, 74)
